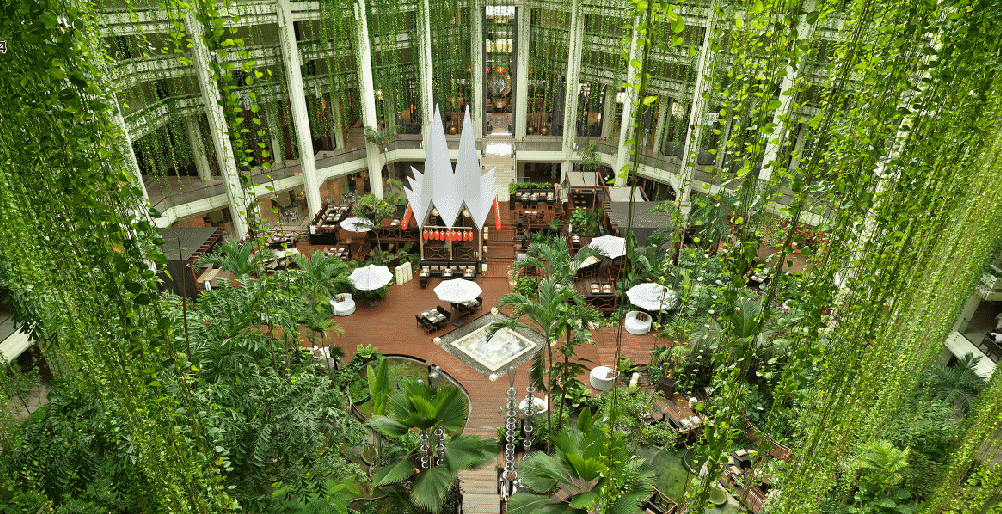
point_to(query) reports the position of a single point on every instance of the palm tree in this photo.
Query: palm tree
(426, 409)
(598, 475)
(238, 259)
(323, 276)
(959, 385)
(552, 255)
(555, 312)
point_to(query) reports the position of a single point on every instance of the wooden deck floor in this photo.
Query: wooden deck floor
(390, 326)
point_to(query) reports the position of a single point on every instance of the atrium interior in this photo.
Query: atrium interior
(490, 256)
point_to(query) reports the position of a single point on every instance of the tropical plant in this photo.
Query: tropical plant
(556, 313)
(881, 467)
(600, 474)
(589, 157)
(437, 415)
(375, 209)
(710, 220)
(585, 222)
(322, 277)
(958, 385)
(240, 259)
(551, 254)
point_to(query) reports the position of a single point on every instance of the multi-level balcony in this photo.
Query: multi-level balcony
(148, 117)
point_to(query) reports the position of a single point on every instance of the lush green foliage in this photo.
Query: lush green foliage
(599, 472)
(424, 408)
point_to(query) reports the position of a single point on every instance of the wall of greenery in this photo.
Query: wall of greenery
(907, 141)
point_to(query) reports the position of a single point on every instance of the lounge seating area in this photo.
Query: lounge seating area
(446, 271)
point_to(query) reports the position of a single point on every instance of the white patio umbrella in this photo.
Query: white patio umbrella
(356, 224)
(651, 297)
(610, 246)
(457, 290)
(371, 277)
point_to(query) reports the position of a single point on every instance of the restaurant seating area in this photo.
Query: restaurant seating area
(279, 239)
(433, 319)
(326, 224)
(467, 308)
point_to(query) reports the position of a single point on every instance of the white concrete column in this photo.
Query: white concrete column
(576, 35)
(218, 128)
(275, 131)
(722, 152)
(522, 70)
(690, 148)
(609, 112)
(368, 99)
(798, 147)
(197, 151)
(477, 65)
(128, 153)
(339, 139)
(426, 70)
(659, 133)
(297, 98)
(626, 123)
(779, 121)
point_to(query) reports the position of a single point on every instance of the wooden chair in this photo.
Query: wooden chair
(428, 326)
(445, 313)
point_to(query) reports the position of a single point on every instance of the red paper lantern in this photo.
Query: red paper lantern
(424, 234)
(452, 236)
(469, 236)
(438, 235)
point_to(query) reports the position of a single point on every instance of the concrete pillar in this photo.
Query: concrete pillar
(369, 97)
(297, 98)
(477, 66)
(339, 140)
(576, 35)
(719, 161)
(522, 70)
(779, 121)
(426, 70)
(690, 148)
(235, 193)
(659, 133)
(197, 151)
(798, 147)
(609, 112)
(626, 123)
(129, 154)
(275, 131)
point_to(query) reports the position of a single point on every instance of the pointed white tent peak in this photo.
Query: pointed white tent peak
(438, 186)
(420, 204)
(485, 198)
(439, 179)
(468, 169)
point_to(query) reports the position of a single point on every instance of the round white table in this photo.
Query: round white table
(634, 325)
